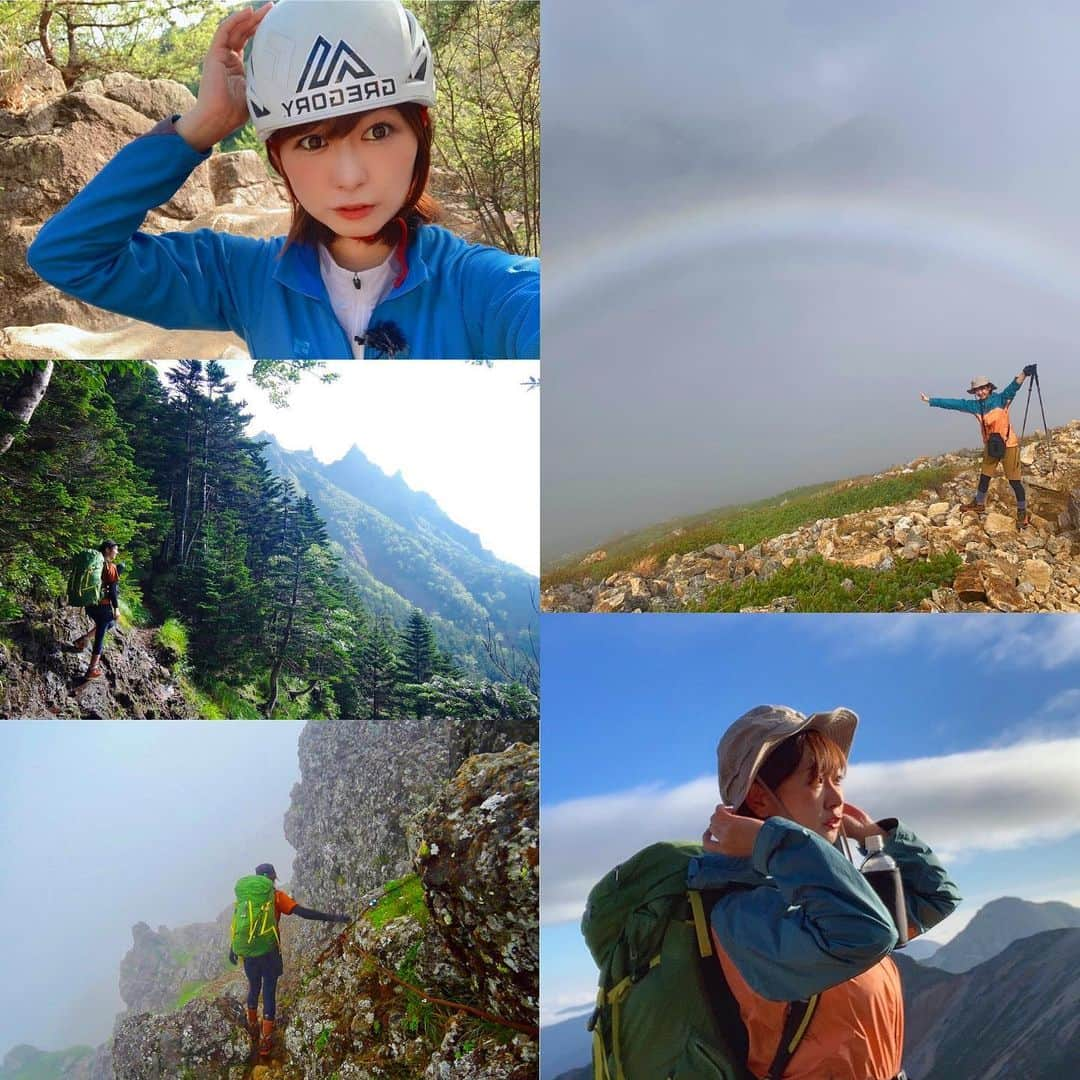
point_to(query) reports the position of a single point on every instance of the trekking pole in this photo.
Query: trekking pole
(1049, 450)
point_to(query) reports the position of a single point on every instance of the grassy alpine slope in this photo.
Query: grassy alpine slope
(746, 524)
(900, 540)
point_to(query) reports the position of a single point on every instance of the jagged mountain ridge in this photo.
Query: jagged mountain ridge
(403, 551)
(996, 925)
(1015, 1015)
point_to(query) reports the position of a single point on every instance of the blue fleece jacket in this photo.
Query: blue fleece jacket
(811, 920)
(458, 300)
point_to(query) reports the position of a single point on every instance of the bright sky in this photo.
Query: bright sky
(468, 435)
(969, 732)
(103, 825)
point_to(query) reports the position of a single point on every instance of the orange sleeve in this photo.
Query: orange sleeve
(283, 902)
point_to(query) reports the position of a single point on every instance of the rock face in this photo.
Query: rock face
(361, 785)
(478, 862)
(354, 1018)
(390, 996)
(53, 141)
(206, 1039)
(39, 680)
(162, 962)
(1007, 569)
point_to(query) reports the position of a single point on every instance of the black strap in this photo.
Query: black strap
(797, 1011)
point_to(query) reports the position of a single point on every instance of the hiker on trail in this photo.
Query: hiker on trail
(254, 936)
(798, 918)
(1001, 446)
(104, 610)
(339, 91)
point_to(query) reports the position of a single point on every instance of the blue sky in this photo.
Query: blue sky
(103, 825)
(969, 731)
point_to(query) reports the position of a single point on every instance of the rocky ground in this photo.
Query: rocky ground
(1005, 569)
(40, 680)
(473, 944)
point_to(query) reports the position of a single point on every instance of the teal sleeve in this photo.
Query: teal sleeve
(958, 404)
(821, 925)
(1010, 392)
(928, 889)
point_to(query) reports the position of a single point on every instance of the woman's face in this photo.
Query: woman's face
(355, 184)
(110, 554)
(816, 802)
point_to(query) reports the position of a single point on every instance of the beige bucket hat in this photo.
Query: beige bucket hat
(980, 380)
(747, 743)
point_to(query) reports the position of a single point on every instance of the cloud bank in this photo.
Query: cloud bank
(982, 800)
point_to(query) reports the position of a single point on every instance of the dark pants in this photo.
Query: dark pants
(104, 620)
(262, 974)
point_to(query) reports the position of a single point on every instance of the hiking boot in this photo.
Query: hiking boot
(1023, 519)
(94, 670)
(972, 508)
(267, 1038)
(253, 1022)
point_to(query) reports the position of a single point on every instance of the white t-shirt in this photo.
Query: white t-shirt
(354, 293)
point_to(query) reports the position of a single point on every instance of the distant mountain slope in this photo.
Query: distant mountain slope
(998, 924)
(564, 1048)
(1017, 1015)
(403, 551)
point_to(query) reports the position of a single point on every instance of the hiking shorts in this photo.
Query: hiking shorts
(262, 974)
(1010, 463)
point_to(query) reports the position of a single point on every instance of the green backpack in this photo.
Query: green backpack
(664, 1010)
(254, 925)
(84, 581)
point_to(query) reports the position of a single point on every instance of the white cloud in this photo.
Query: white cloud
(982, 800)
(1046, 642)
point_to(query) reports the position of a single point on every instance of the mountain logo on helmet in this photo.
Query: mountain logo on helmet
(324, 67)
(344, 62)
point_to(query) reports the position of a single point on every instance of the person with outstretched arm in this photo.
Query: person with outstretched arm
(254, 936)
(1001, 446)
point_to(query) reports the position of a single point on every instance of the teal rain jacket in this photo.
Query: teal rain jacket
(458, 300)
(811, 921)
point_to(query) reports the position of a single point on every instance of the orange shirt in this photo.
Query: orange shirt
(857, 1031)
(283, 904)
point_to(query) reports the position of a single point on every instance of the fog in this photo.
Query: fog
(769, 227)
(103, 825)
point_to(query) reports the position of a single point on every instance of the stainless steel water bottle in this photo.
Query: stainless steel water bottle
(883, 876)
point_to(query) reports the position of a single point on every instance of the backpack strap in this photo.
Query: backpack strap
(799, 1013)
(614, 997)
(796, 1024)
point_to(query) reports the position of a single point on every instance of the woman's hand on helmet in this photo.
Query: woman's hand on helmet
(222, 106)
(730, 833)
(858, 824)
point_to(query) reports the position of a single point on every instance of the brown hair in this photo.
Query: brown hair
(826, 759)
(420, 208)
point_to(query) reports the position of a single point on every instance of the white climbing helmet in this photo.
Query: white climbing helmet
(319, 59)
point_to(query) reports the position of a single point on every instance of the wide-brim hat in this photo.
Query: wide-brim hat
(979, 381)
(749, 741)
